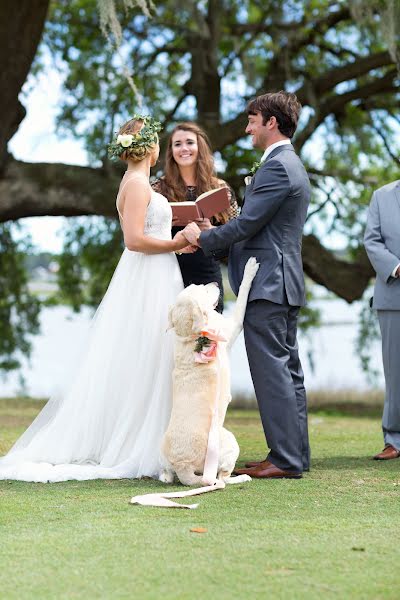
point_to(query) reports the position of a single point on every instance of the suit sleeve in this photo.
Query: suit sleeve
(271, 188)
(383, 261)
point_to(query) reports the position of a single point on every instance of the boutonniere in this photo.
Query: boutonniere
(206, 346)
(254, 168)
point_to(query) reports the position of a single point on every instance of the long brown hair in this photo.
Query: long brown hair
(205, 175)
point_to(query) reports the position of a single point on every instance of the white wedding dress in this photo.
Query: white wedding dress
(110, 421)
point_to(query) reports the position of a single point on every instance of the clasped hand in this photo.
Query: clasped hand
(193, 230)
(191, 234)
(182, 246)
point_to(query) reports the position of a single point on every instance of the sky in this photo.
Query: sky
(36, 141)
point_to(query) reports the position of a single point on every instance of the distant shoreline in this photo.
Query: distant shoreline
(367, 403)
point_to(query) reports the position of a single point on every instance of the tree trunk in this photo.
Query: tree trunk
(205, 83)
(21, 26)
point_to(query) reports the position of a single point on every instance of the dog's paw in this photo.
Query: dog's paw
(238, 479)
(166, 476)
(219, 484)
(251, 268)
(244, 478)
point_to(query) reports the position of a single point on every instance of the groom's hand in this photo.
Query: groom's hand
(204, 224)
(191, 233)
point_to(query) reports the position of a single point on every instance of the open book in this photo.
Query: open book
(207, 205)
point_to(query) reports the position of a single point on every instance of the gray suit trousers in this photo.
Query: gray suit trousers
(270, 332)
(389, 322)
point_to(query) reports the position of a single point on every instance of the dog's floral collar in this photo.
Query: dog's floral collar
(206, 346)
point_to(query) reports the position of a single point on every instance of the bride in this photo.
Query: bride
(109, 423)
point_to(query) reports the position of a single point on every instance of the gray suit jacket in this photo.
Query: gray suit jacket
(269, 227)
(382, 243)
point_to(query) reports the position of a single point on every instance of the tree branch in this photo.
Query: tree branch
(339, 174)
(320, 26)
(347, 280)
(167, 49)
(352, 70)
(35, 189)
(387, 145)
(335, 104)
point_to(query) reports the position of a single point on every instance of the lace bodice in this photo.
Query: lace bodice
(158, 217)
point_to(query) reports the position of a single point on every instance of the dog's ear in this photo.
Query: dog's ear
(171, 324)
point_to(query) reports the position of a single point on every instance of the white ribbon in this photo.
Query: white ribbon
(162, 500)
(210, 469)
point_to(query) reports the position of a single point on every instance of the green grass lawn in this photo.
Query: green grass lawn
(331, 534)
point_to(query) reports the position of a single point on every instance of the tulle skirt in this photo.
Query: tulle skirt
(109, 422)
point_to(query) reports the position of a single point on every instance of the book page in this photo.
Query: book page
(213, 202)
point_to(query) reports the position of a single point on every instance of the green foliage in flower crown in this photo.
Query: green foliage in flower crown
(143, 141)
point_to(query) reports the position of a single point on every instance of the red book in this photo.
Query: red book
(207, 205)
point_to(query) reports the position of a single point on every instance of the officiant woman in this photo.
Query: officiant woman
(189, 171)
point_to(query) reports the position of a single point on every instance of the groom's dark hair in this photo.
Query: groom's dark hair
(284, 106)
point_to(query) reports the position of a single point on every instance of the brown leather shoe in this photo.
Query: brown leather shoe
(266, 470)
(387, 453)
(253, 463)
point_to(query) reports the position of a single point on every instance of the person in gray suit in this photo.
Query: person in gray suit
(382, 243)
(270, 227)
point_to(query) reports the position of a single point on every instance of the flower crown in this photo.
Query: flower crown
(141, 142)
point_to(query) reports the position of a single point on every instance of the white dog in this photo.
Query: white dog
(196, 384)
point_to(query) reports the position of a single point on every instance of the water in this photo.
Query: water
(332, 346)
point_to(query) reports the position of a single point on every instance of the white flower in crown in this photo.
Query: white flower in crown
(125, 140)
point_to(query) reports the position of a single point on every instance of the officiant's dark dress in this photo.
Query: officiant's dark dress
(197, 268)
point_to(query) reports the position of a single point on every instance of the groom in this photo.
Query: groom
(270, 228)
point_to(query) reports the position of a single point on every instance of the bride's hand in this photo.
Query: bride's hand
(179, 241)
(191, 233)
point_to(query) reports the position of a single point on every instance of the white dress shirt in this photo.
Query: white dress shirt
(395, 271)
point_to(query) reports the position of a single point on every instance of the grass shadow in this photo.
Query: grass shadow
(345, 463)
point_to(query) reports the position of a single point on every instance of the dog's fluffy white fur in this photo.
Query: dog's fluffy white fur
(195, 384)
